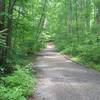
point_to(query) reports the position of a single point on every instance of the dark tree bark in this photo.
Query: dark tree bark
(9, 26)
(2, 9)
(6, 51)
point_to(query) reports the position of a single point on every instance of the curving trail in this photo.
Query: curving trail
(62, 79)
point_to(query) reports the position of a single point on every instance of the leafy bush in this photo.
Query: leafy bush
(17, 86)
(93, 55)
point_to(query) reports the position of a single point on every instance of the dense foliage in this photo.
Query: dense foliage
(21, 28)
(25, 27)
(76, 26)
(21, 34)
(17, 86)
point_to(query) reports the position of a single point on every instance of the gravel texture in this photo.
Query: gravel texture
(62, 79)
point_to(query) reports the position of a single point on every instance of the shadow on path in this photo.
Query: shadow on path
(62, 79)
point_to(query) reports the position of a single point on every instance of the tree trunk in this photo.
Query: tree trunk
(9, 27)
(2, 9)
(1, 17)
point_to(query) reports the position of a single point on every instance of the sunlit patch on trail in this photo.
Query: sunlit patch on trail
(68, 61)
(50, 56)
(50, 45)
(42, 65)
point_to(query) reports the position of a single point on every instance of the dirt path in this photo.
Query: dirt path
(61, 79)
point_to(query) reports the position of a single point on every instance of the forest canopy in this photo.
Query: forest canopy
(27, 25)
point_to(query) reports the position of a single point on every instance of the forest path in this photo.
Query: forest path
(62, 79)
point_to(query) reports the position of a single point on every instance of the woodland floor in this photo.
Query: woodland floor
(62, 79)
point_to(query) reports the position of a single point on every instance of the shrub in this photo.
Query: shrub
(17, 86)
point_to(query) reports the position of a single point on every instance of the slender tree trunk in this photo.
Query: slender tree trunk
(76, 20)
(9, 26)
(2, 9)
(41, 23)
(1, 17)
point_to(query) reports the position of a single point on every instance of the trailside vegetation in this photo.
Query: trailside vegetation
(21, 35)
(75, 25)
(26, 26)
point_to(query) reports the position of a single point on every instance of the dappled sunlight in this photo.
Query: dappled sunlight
(70, 70)
(68, 61)
(42, 65)
(37, 40)
(50, 46)
(52, 57)
(71, 79)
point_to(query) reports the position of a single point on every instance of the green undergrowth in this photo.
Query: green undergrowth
(20, 84)
(87, 56)
(88, 64)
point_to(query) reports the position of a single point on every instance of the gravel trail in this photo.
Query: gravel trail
(62, 79)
